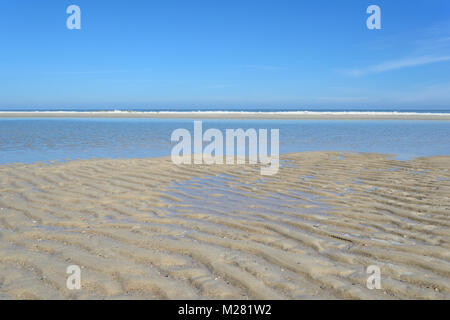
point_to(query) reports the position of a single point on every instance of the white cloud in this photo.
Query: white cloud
(396, 64)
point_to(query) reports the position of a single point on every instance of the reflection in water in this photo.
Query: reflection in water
(34, 140)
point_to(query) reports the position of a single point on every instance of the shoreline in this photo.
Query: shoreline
(295, 115)
(387, 156)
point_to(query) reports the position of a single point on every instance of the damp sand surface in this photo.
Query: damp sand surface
(148, 229)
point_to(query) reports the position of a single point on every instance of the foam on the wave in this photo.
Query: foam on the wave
(227, 112)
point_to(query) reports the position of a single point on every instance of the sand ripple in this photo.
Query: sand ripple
(149, 229)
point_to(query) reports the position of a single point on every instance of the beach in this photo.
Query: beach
(243, 115)
(149, 229)
(218, 158)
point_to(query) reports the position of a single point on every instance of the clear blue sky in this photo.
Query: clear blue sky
(225, 54)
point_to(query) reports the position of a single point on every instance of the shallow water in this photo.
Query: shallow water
(216, 195)
(43, 140)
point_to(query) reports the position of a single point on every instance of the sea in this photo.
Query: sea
(43, 139)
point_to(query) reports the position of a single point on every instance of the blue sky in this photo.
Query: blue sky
(225, 54)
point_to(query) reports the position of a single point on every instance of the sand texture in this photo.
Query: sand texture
(148, 229)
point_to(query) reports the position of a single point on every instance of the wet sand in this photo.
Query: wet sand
(147, 229)
(233, 115)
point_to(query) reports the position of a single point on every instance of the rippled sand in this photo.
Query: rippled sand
(150, 229)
